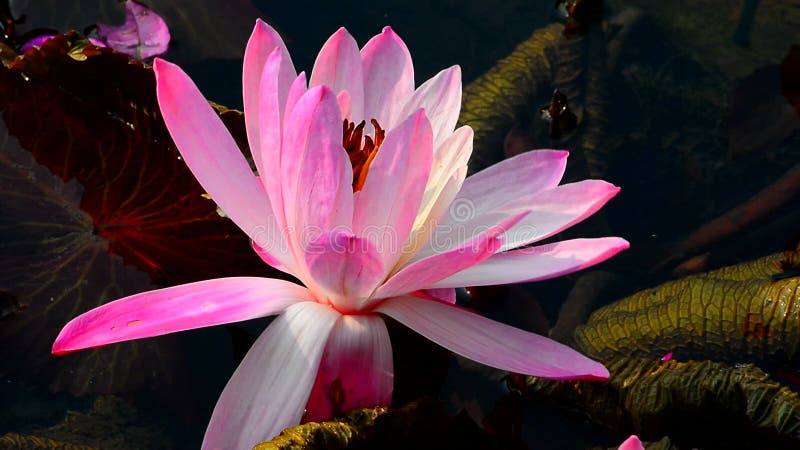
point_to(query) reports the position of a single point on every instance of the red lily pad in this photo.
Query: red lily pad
(53, 264)
(97, 205)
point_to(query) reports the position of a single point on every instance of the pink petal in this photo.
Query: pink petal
(178, 308)
(388, 78)
(448, 171)
(555, 210)
(440, 97)
(270, 126)
(632, 443)
(38, 41)
(451, 155)
(143, 35)
(338, 66)
(214, 158)
(345, 268)
(484, 197)
(537, 263)
(316, 175)
(268, 258)
(270, 388)
(387, 205)
(343, 99)
(356, 370)
(551, 211)
(516, 177)
(296, 92)
(447, 295)
(489, 342)
(426, 272)
(261, 44)
(269, 132)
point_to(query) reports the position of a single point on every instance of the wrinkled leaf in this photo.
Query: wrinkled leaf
(111, 423)
(420, 424)
(97, 121)
(53, 264)
(700, 404)
(492, 102)
(746, 312)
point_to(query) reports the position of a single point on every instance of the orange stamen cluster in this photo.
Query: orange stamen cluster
(361, 149)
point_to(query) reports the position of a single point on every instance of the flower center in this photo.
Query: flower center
(361, 148)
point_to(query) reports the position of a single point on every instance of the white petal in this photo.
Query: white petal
(270, 388)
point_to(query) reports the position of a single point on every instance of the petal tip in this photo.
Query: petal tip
(59, 348)
(622, 244)
(260, 25)
(161, 65)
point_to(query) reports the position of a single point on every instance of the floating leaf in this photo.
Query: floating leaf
(420, 424)
(699, 404)
(52, 263)
(97, 205)
(492, 103)
(111, 423)
(746, 312)
(24, 442)
(215, 29)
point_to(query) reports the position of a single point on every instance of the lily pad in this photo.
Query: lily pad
(747, 312)
(700, 404)
(97, 205)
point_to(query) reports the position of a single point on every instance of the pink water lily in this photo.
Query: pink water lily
(363, 197)
(144, 33)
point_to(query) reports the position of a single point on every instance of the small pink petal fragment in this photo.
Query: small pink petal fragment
(632, 443)
(178, 308)
(36, 42)
(356, 370)
(97, 42)
(492, 343)
(270, 388)
(667, 357)
(143, 35)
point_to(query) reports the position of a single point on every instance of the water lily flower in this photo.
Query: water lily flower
(363, 197)
(144, 33)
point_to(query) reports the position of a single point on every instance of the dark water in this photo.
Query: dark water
(693, 108)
